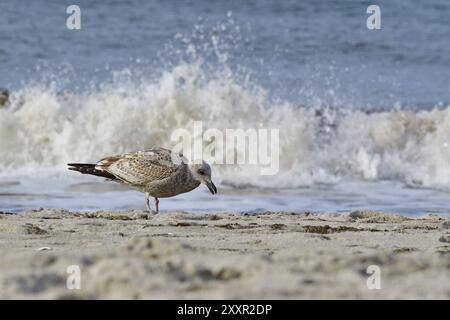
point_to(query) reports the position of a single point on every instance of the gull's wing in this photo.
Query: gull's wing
(141, 167)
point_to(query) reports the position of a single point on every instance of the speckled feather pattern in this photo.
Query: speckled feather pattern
(151, 171)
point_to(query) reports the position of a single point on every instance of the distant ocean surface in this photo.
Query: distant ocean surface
(364, 115)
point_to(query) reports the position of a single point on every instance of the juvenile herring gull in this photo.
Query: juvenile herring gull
(155, 172)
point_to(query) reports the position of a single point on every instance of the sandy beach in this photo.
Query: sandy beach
(180, 255)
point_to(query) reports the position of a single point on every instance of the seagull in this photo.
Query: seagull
(158, 172)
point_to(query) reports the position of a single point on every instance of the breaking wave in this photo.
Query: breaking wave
(44, 128)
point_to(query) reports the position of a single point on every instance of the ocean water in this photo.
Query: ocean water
(363, 115)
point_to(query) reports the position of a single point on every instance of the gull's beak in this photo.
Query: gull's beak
(211, 187)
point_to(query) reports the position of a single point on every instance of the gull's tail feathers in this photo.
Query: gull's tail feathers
(89, 168)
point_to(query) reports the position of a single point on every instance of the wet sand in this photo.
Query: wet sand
(179, 255)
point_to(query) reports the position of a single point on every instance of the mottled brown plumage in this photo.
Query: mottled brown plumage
(156, 171)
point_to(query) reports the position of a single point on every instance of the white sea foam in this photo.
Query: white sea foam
(43, 128)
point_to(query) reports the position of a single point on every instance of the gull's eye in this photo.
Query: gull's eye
(201, 172)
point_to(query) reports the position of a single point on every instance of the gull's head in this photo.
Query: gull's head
(202, 173)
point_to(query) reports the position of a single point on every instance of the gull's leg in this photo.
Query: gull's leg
(157, 204)
(147, 201)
